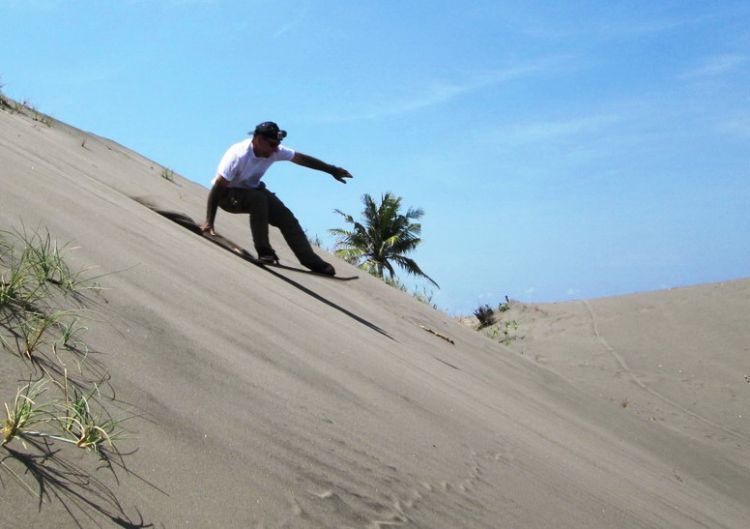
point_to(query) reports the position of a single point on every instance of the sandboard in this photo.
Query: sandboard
(188, 223)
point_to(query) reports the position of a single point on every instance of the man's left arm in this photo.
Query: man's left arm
(339, 173)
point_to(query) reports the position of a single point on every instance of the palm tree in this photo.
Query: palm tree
(384, 236)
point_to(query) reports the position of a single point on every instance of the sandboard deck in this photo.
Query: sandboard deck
(188, 223)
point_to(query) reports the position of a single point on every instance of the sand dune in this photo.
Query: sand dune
(271, 398)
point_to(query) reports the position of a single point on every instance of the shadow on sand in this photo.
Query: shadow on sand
(76, 489)
(188, 223)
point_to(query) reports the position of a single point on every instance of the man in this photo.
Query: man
(237, 189)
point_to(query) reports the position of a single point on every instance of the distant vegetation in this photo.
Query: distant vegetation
(4, 105)
(167, 174)
(503, 331)
(424, 295)
(25, 108)
(486, 316)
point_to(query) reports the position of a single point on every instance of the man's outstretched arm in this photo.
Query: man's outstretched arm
(212, 203)
(339, 173)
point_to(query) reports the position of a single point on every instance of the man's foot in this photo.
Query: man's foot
(268, 257)
(324, 268)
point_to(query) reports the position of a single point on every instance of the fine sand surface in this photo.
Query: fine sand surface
(277, 399)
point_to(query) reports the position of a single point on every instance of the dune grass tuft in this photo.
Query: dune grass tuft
(24, 413)
(34, 328)
(13, 286)
(86, 429)
(168, 174)
(41, 322)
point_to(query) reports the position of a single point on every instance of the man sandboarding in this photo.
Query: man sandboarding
(237, 188)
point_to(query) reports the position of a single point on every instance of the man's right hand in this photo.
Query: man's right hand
(340, 174)
(207, 228)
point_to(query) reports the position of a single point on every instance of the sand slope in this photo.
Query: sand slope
(270, 399)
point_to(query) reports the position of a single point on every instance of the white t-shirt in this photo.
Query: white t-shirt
(242, 168)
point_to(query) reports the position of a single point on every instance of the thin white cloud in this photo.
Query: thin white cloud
(716, 66)
(645, 27)
(441, 92)
(550, 130)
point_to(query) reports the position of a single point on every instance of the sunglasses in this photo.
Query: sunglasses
(273, 142)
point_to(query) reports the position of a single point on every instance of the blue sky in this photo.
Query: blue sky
(560, 150)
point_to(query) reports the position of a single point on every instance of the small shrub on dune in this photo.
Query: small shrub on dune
(485, 315)
(168, 175)
(4, 103)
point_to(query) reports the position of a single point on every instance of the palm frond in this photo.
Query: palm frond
(413, 268)
(381, 237)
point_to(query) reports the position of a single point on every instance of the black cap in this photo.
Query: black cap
(270, 130)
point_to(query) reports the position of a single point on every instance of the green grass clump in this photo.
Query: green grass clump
(425, 296)
(70, 331)
(5, 103)
(25, 107)
(34, 328)
(44, 257)
(65, 399)
(14, 287)
(505, 331)
(42, 305)
(168, 175)
(84, 427)
(24, 413)
(68, 419)
(27, 274)
(34, 278)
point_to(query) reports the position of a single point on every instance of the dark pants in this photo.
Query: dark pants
(265, 208)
